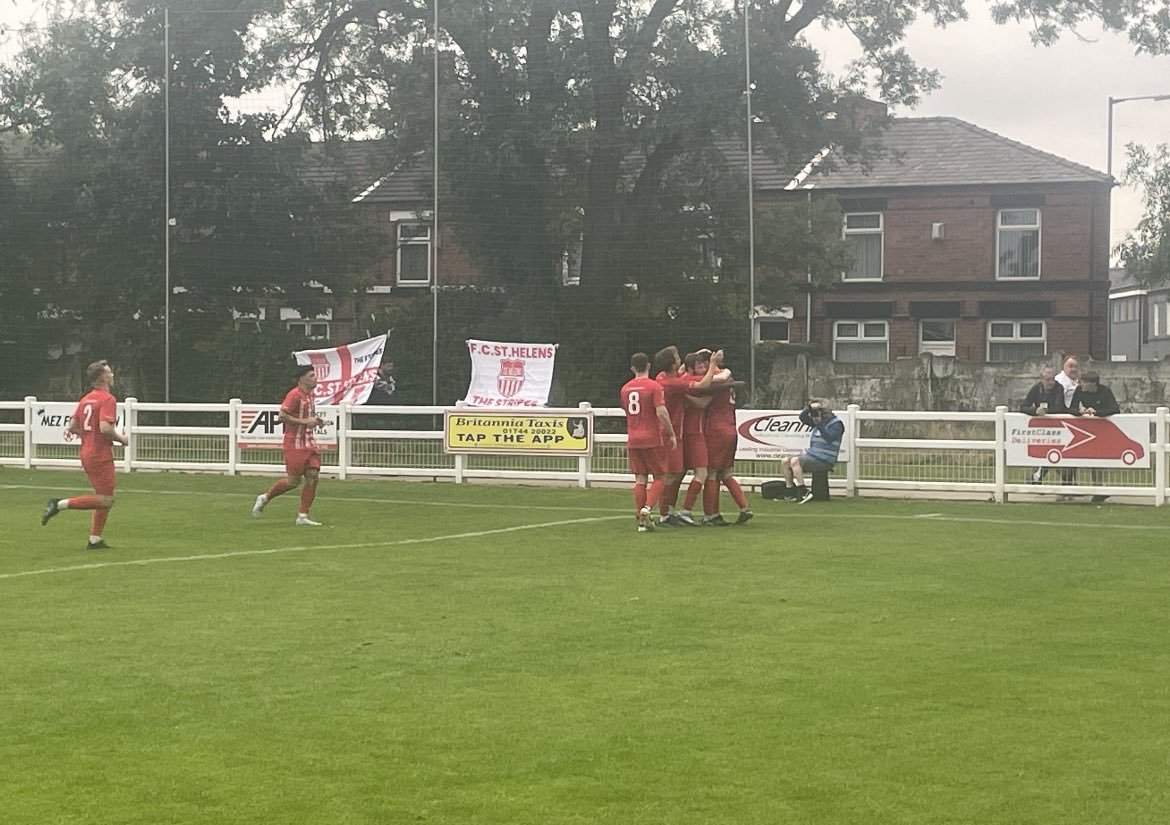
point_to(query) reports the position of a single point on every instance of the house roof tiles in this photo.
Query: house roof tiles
(946, 151)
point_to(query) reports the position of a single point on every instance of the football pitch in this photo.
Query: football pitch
(502, 654)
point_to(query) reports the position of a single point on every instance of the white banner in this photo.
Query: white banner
(345, 373)
(766, 435)
(50, 418)
(1077, 441)
(510, 375)
(260, 426)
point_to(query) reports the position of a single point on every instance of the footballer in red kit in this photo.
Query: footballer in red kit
(649, 433)
(721, 440)
(94, 421)
(302, 461)
(676, 384)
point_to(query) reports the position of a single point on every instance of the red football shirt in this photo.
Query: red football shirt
(641, 398)
(721, 413)
(299, 404)
(675, 387)
(693, 416)
(96, 406)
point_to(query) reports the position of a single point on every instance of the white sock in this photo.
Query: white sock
(94, 539)
(63, 504)
(302, 515)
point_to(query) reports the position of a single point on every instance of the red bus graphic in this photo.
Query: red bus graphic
(1091, 438)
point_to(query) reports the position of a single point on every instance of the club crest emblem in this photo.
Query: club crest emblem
(320, 365)
(511, 377)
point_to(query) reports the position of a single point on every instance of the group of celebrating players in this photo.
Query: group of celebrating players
(682, 419)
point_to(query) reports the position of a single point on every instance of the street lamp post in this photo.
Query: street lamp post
(1113, 101)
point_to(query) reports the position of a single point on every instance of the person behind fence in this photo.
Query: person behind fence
(1094, 400)
(1045, 398)
(821, 456)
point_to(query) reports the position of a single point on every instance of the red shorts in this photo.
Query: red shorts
(101, 476)
(695, 451)
(645, 461)
(672, 460)
(296, 462)
(721, 451)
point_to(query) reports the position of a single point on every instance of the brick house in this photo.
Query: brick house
(965, 243)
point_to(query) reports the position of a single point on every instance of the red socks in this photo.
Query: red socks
(308, 493)
(277, 489)
(736, 492)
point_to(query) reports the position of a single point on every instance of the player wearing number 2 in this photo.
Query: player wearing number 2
(94, 421)
(648, 434)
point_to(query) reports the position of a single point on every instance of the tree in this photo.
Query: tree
(588, 122)
(86, 98)
(1145, 252)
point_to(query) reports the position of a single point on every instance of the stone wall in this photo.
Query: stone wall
(929, 382)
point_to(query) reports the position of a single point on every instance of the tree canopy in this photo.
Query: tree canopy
(1145, 252)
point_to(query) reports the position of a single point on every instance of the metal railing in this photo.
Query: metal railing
(915, 453)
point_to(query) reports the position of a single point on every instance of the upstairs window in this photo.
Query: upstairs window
(863, 236)
(414, 254)
(1018, 243)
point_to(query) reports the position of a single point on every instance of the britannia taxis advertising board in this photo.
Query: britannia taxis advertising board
(501, 432)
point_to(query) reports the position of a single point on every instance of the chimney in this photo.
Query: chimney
(859, 112)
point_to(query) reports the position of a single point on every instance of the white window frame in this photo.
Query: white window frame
(1017, 337)
(1000, 228)
(313, 330)
(879, 230)
(935, 347)
(411, 241)
(861, 335)
(762, 315)
(1159, 319)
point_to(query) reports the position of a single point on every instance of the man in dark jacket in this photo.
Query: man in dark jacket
(1045, 398)
(1095, 400)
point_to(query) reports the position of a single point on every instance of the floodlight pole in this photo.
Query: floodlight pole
(167, 204)
(435, 215)
(747, 70)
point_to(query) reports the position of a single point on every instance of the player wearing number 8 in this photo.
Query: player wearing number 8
(94, 421)
(648, 431)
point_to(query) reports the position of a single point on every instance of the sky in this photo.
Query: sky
(1054, 99)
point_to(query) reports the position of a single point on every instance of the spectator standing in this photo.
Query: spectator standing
(1095, 400)
(94, 421)
(382, 392)
(1045, 398)
(1069, 378)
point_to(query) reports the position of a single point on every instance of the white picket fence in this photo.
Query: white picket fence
(892, 452)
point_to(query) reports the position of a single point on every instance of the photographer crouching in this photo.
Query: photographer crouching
(821, 456)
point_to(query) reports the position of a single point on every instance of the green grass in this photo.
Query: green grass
(421, 659)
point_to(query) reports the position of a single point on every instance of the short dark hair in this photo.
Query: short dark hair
(664, 358)
(1090, 377)
(95, 371)
(693, 358)
(302, 369)
(639, 362)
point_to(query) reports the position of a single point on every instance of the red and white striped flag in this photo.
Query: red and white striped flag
(345, 373)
